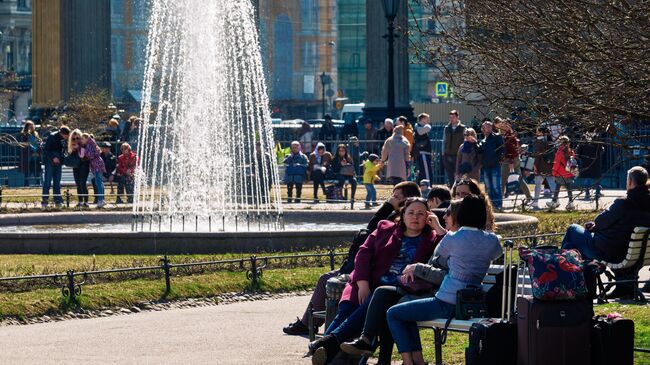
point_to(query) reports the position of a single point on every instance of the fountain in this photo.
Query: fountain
(206, 153)
(207, 180)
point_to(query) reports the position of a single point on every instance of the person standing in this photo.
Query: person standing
(370, 169)
(408, 130)
(562, 172)
(543, 166)
(30, 162)
(296, 163)
(511, 162)
(468, 160)
(395, 154)
(53, 152)
(491, 148)
(452, 139)
(590, 153)
(77, 154)
(422, 149)
(344, 166)
(319, 162)
(110, 162)
(370, 137)
(96, 167)
(305, 137)
(327, 133)
(125, 173)
(386, 131)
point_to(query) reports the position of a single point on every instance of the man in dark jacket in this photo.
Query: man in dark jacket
(492, 150)
(452, 138)
(53, 154)
(608, 236)
(388, 211)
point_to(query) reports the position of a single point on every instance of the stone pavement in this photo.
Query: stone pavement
(240, 333)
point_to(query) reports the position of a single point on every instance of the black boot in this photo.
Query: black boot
(324, 350)
(358, 347)
(296, 328)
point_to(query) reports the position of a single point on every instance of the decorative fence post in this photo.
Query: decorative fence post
(71, 290)
(330, 253)
(67, 198)
(165, 266)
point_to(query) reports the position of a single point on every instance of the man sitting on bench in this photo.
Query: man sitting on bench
(607, 238)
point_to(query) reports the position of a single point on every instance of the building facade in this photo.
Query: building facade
(15, 60)
(129, 33)
(298, 39)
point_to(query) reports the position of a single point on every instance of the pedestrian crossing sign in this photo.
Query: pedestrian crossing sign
(442, 89)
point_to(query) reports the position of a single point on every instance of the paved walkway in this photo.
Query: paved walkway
(241, 333)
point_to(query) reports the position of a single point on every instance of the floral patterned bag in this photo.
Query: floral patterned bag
(556, 274)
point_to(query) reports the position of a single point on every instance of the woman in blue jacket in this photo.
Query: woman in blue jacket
(296, 171)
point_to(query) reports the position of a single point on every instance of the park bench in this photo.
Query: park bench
(463, 326)
(636, 258)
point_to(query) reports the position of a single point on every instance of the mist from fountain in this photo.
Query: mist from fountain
(206, 143)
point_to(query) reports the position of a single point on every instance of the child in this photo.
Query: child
(425, 187)
(97, 166)
(126, 164)
(370, 169)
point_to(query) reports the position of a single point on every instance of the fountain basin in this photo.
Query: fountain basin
(33, 238)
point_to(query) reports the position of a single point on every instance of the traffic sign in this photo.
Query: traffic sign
(442, 89)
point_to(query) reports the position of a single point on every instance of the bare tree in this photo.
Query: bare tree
(584, 61)
(86, 110)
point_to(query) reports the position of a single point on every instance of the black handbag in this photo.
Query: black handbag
(72, 160)
(470, 303)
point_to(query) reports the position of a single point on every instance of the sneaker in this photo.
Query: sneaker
(570, 206)
(324, 350)
(86, 205)
(43, 206)
(552, 205)
(296, 328)
(358, 347)
(100, 204)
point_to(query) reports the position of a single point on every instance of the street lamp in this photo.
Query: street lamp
(390, 11)
(324, 80)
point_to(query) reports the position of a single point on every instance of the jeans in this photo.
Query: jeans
(577, 237)
(492, 179)
(318, 178)
(539, 180)
(567, 182)
(318, 298)
(81, 181)
(449, 165)
(371, 195)
(424, 166)
(290, 186)
(402, 320)
(99, 182)
(52, 179)
(124, 183)
(505, 171)
(351, 179)
(375, 325)
(349, 320)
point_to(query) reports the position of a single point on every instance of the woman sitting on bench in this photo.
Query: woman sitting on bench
(469, 252)
(385, 297)
(380, 261)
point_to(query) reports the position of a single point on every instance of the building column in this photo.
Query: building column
(377, 63)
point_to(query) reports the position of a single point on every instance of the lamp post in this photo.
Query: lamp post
(324, 79)
(390, 11)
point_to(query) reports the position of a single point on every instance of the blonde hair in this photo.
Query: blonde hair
(75, 132)
(471, 132)
(113, 123)
(125, 145)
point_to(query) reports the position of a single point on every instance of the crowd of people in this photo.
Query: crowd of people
(417, 252)
(401, 151)
(85, 156)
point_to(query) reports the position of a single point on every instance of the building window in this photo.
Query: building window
(309, 14)
(23, 5)
(309, 54)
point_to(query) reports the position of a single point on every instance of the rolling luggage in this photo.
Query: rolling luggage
(555, 333)
(612, 341)
(492, 340)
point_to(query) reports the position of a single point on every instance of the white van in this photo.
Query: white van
(352, 112)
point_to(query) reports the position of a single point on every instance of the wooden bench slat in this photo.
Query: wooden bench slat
(454, 325)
